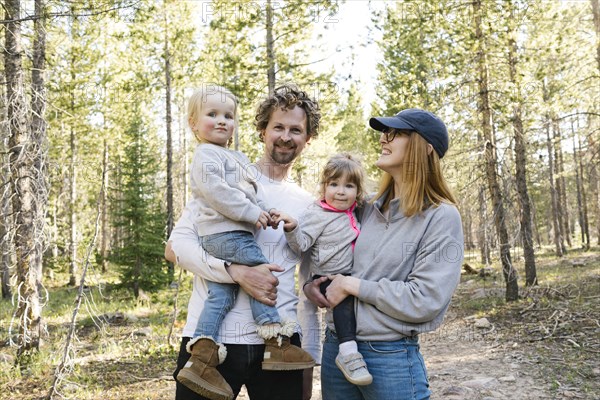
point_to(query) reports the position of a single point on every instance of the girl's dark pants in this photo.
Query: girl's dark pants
(344, 318)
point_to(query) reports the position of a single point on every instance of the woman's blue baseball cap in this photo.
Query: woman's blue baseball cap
(425, 123)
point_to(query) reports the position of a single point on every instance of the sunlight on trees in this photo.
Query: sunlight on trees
(95, 86)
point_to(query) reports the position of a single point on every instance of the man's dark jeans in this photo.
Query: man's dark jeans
(243, 366)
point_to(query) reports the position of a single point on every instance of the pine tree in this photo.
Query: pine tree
(520, 148)
(6, 227)
(27, 172)
(76, 143)
(352, 134)
(491, 155)
(138, 211)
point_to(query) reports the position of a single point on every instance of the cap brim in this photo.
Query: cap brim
(382, 123)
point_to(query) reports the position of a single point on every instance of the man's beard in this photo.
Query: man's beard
(283, 158)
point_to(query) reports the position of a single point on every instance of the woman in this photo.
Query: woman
(406, 263)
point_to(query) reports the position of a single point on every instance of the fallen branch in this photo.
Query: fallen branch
(529, 307)
(548, 335)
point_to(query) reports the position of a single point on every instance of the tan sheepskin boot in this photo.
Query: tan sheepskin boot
(280, 354)
(200, 373)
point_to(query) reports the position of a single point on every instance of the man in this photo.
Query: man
(286, 121)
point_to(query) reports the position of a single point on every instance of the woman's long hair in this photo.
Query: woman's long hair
(422, 185)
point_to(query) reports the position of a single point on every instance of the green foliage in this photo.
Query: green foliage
(429, 59)
(354, 136)
(416, 49)
(234, 55)
(138, 212)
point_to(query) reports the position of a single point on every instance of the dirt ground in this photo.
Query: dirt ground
(544, 346)
(464, 362)
(472, 370)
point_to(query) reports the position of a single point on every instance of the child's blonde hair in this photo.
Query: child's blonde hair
(198, 99)
(340, 165)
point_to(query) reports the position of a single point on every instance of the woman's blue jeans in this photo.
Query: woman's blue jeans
(397, 367)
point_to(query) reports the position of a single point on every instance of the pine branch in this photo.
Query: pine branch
(56, 15)
(578, 113)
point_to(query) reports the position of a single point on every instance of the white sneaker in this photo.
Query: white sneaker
(354, 368)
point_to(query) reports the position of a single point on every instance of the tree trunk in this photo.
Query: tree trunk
(596, 16)
(556, 144)
(24, 181)
(55, 228)
(118, 242)
(6, 228)
(482, 232)
(136, 277)
(104, 209)
(467, 226)
(550, 227)
(596, 182)
(578, 186)
(561, 184)
(521, 166)
(72, 211)
(184, 158)
(73, 170)
(38, 130)
(582, 211)
(270, 53)
(586, 222)
(6, 289)
(536, 229)
(553, 194)
(6, 225)
(594, 178)
(169, 141)
(491, 160)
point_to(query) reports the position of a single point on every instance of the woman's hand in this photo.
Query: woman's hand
(313, 293)
(342, 287)
(259, 281)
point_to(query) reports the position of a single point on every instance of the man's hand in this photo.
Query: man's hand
(307, 383)
(169, 253)
(312, 291)
(259, 281)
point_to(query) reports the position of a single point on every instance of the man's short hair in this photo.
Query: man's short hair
(287, 97)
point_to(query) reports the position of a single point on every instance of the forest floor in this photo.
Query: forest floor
(544, 346)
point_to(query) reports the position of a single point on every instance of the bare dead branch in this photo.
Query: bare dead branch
(63, 367)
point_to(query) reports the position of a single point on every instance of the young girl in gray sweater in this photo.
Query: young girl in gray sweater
(328, 229)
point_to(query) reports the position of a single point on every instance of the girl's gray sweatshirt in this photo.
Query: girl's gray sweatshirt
(224, 185)
(329, 234)
(409, 269)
